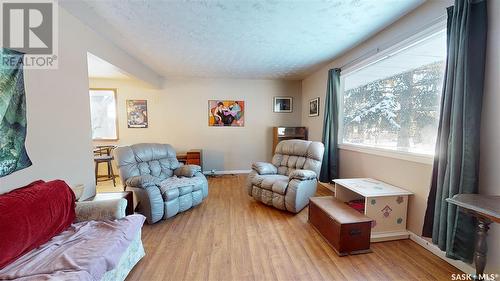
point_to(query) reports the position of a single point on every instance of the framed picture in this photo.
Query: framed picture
(226, 113)
(314, 107)
(137, 113)
(282, 104)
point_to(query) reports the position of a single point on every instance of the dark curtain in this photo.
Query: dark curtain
(329, 167)
(456, 162)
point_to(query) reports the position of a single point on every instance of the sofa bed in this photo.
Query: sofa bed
(46, 235)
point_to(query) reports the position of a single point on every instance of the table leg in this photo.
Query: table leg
(96, 171)
(481, 248)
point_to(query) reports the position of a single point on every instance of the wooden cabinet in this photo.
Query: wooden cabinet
(192, 157)
(288, 133)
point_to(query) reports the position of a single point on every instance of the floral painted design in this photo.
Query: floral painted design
(386, 211)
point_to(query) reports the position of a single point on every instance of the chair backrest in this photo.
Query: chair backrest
(298, 154)
(158, 160)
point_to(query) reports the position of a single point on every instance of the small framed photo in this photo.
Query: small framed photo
(282, 104)
(314, 107)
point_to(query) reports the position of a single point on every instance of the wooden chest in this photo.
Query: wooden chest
(344, 228)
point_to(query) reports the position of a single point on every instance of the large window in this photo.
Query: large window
(103, 114)
(394, 102)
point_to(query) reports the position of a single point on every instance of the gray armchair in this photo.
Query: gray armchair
(291, 179)
(162, 186)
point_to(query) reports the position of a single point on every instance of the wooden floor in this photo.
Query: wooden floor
(230, 236)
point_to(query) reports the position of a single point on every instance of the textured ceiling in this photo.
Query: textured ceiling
(237, 39)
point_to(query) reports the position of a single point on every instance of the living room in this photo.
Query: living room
(175, 72)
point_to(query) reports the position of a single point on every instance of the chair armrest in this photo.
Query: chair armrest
(142, 181)
(150, 202)
(264, 168)
(302, 175)
(298, 193)
(100, 210)
(187, 171)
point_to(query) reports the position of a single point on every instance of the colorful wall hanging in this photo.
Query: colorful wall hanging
(13, 155)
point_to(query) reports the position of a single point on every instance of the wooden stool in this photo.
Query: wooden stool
(104, 159)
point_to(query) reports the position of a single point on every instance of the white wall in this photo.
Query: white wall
(489, 177)
(178, 115)
(412, 175)
(59, 136)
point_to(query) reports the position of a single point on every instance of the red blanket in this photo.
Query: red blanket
(32, 215)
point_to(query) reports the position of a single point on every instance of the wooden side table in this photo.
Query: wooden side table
(182, 157)
(128, 195)
(487, 210)
(193, 156)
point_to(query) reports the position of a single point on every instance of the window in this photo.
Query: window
(394, 103)
(103, 114)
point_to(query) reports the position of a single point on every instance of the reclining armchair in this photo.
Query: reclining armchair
(290, 180)
(162, 186)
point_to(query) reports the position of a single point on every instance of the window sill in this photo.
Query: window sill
(407, 156)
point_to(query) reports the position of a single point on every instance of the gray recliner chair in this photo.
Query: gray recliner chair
(162, 186)
(291, 179)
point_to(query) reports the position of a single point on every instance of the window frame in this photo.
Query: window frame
(381, 54)
(116, 115)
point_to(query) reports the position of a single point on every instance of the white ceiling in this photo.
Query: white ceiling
(238, 39)
(99, 68)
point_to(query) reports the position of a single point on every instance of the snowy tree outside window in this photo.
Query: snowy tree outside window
(394, 103)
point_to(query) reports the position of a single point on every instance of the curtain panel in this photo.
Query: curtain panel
(456, 161)
(329, 167)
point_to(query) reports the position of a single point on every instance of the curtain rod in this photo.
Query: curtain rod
(398, 39)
